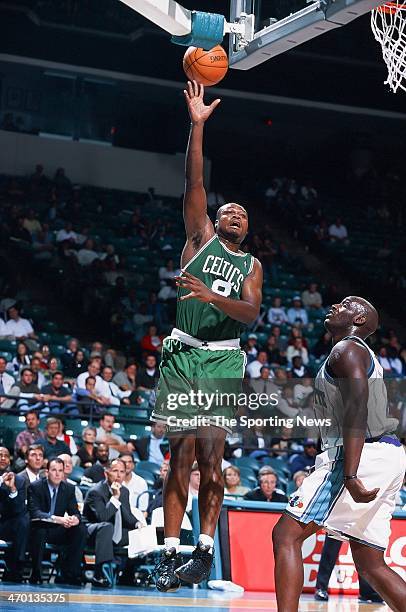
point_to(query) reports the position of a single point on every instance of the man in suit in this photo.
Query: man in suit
(150, 447)
(14, 524)
(108, 516)
(34, 460)
(55, 519)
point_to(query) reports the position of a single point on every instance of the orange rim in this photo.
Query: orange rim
(391, 8)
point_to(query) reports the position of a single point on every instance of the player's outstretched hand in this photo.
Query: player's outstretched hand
(196, 287)
(198, 111)
(359, 493)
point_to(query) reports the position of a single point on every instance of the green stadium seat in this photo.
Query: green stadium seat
(247, 462)
(134, 430)
(8, 345)
(74, 425)
(147, 476)
(148, 466)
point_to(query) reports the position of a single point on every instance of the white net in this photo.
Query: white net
(388, 24)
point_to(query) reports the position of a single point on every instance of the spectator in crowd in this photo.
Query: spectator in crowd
(5, 460)
(232, 482)
(19, 232)
(14, 525)
(298, 370)
(194, 484)
(321, 231)
(251, 348)
(298, 478)
(21, 329)
(93, 369)
(305, 460)
(149, 448)
(88, 399)
(156, 497)
(277, 313)
(95, 473)
(148, 375)
(104, 433)
(156, 310)
(67, 470)
(37, 376)
(311, 298)
(254, 368)
(78, 365)
(302, 390)
(322, 347)
(275, 356)
(308, 191)
(297, 315)
(53, 368)
(263, 384)
(52, 446)
(3, 329)
(281, 343)
(296, 332)
(30, 435)
(62, 183)
(266, 490)
(151, 342)
(67, 357)
(116, 395)
(68, 439)
(256, 441)
(384, 361)
(67, 234)
(136, 485)
(297, 350)
(26, 391)
(167, 277)
(87, 254)
(56, 520)
(394, 361)
(338, 232)
(6, 381)
(108, 517)
(38, 181)
(127, 379)
(31, 223)
(87, 452)
(34, 462)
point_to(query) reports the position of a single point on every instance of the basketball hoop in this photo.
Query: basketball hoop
(388, 23)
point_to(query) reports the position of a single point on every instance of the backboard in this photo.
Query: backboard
(280, 25)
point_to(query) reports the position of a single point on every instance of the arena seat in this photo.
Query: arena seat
(247, 462)
(148, 466)
(147, 476)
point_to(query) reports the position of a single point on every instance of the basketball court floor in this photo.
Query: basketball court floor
(120, 598)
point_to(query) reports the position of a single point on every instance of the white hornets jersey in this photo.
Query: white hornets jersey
(328, 402)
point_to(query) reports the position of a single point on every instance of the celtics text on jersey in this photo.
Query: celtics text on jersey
(223, 271)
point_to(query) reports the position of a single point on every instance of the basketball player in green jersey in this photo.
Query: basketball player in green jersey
(220, 289)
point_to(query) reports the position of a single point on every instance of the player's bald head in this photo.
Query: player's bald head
(227, 206)
(354, 315)
(367, 316)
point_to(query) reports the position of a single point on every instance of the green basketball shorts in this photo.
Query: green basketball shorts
(198, 386)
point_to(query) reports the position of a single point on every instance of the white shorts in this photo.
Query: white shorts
(324, 500)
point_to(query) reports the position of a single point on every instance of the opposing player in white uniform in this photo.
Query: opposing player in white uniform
(353, 488)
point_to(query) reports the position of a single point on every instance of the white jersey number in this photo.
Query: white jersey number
(221, 287)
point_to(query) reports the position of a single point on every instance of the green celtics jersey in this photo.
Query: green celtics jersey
(224, 272)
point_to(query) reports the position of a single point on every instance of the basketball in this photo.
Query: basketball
(205, 67)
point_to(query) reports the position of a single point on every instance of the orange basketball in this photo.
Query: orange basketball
(205, 67)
